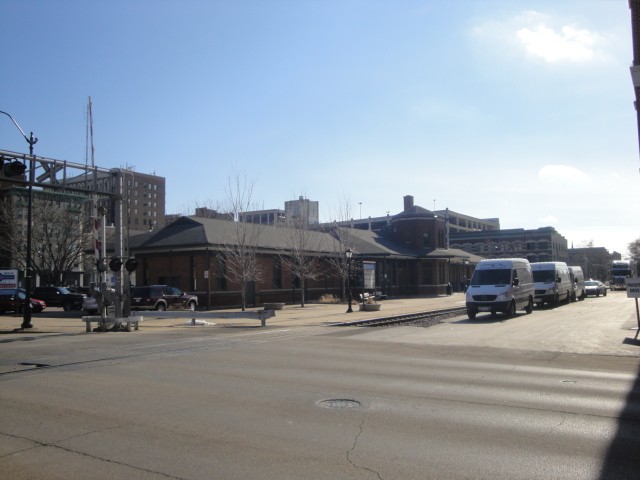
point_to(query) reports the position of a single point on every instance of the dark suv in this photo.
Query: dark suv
(162, 297)
(59, 297)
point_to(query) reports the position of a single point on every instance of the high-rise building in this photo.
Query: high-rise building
(143, 198)
(302, 209)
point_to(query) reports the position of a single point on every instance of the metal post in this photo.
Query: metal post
(26, 309)
(118, 180)
(349, 253)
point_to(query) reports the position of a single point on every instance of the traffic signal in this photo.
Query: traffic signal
(101, 265)
(131, 264)
(13, 169)
(115, 264)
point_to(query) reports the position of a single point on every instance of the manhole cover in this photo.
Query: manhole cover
(338, 403)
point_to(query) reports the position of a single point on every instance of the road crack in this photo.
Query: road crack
(352, 449)
(39, 444)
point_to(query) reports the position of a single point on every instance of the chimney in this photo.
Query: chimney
(408, 202)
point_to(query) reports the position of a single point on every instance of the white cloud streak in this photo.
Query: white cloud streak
(570, 43)
(562, 174)
(554, 40)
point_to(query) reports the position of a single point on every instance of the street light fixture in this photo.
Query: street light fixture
(349, 253)
(31, 140)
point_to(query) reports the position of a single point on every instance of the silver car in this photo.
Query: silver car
(595, 288)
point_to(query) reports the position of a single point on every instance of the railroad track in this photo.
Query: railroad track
(432, 317)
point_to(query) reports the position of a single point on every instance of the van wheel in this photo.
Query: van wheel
(512, 310)
(471, 314)
(529, 308)
(574, 298)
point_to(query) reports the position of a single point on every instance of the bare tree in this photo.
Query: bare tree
(343, 239)
(206, 208)
(240, 253)
(60, 232)
(634, 250)
(297, 254)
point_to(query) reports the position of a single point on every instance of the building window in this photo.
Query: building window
(426, 241)
(277, 273)
(427, 277)
(221, 272)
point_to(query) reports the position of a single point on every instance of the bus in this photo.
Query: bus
(620, 271)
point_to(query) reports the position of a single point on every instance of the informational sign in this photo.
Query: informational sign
(633, 291)
(369, 274)
(9, 279)
(633, 287)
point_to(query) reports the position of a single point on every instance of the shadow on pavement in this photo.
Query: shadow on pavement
(621, 459)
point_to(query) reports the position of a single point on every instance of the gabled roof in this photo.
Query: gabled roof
(373, 244)
(201, 233)
(196, 232)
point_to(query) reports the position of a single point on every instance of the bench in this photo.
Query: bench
(380, 295)
(264, 314)
(104, 323)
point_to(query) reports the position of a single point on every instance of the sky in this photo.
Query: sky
(516, 109)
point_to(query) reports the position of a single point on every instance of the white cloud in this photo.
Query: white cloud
(562, 174)
(570, 43)
(553, 40)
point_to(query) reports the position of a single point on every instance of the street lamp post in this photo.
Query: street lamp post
(349, 253)
(26, 309)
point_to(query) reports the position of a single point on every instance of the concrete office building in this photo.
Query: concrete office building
(302, 209)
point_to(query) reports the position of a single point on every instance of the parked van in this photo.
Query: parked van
(577, 281)
(552, 283)
(500, 285)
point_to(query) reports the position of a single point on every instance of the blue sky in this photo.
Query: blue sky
(521, 110)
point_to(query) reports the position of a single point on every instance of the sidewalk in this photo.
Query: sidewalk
(313, 314)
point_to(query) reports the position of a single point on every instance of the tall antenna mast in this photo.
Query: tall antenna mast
(98, 220)
(90, 127)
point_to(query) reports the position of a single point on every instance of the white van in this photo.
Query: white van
(552, 283)
(577, 281)
(500, 285)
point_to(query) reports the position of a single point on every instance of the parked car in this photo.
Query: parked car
(84, 290)
(162, 297)
(12, 300)
(90, 302)
(595, 288)
(60, 297)
(90, 305)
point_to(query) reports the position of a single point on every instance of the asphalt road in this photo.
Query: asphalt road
(551, 395)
